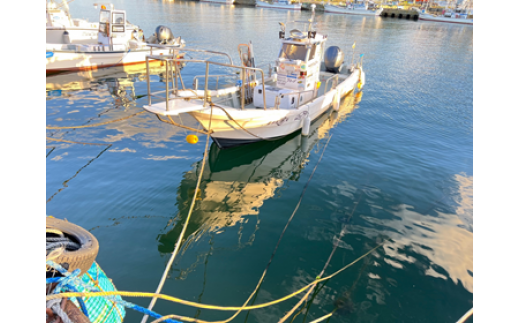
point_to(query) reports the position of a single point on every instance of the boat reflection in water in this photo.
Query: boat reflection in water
(237, 181)
(88, 80)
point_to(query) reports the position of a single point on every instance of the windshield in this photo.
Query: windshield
(104, 16)
(294, 52)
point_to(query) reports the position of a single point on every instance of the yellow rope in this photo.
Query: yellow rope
(205, 306)
(179, 241)
(97, 124)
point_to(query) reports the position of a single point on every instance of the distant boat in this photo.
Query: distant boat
(279, 4)
(453, 18)
(219, 1)
(353, 9)
(458, 15)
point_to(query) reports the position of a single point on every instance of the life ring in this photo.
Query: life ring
(71, 236)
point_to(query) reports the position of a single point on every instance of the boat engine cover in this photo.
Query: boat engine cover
(164, 34)
(334, 57)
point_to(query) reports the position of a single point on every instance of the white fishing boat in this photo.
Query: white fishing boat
(219, 1)
(117, 43)
(266, 108)
(459, 15)
(279, 4)
(453, 18)
(59, 21)
(357, 8)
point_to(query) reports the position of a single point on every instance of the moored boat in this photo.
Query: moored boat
(59, 22)
(219, 1)
(459, 15)
(279, 4)
(266, 108)
(353, 9)
(117, 43)
(454, 18)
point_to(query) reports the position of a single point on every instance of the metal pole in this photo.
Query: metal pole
(167, 88)
(243, 88)
(148, 80)
(206, 86)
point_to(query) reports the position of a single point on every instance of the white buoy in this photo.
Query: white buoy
(335, 102)
(306, 125)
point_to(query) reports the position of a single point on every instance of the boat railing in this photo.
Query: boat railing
(334, 77)
(185, 49)
(196, 79)
(271, 66)
(171, 62)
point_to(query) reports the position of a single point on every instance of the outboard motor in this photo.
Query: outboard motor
(333, 59)
(66, 37)
(164, 34)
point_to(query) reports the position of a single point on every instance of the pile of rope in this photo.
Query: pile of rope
(70, 282)
(61, 241)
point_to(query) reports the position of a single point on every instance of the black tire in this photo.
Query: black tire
(84, 256)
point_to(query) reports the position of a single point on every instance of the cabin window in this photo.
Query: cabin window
(118, 18)
(293, 52)
(104, 16)
(312, 52)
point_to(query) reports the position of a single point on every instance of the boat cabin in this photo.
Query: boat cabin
(298, 71)
(112, 27)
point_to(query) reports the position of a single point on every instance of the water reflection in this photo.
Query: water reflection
(236, 182)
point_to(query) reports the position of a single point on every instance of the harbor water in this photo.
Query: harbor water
(398, 166)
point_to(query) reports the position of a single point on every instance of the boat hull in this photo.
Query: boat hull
(262, 4)
(252, 125)
(464, 21)
(68, 61)
(347, 11)
(77, 35)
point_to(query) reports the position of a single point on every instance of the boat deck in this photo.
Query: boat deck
(184, 101)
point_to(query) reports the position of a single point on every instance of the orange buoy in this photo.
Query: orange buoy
(192, 139)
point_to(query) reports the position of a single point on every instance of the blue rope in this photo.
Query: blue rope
(71, 279)
(144, 311)
(80, 300)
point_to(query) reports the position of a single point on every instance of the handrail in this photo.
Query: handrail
(193, 50)
(196, 79)
(171, 58)
(336, 76)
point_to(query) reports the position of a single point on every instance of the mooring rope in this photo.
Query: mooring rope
(77, 142)
(70, 281)
(97, 124)
(205, 306)
(178, 244)
(259, 284)
(465, 316)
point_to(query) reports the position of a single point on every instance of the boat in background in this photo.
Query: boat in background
(451, 14)
(357, 8)
(279, 4)
(219, 1)
(60, 23)
(117, 43)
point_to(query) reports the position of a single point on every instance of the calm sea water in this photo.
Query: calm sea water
(399, 165)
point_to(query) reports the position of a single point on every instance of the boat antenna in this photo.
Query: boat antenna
(313, 6)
